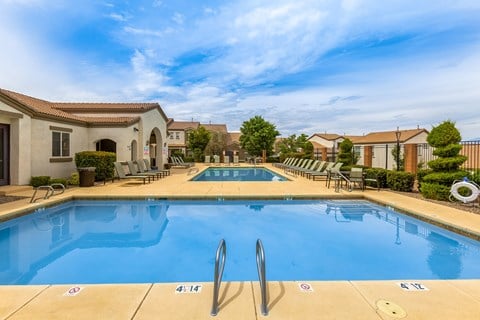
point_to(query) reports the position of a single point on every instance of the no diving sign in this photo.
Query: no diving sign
(73, 291)
(305, 287)
(412, 286)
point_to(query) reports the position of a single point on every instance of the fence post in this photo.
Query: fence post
(410, 157)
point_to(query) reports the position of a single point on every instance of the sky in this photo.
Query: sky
(312, 66)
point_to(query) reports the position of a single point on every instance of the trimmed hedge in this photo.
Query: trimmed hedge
(400, 180)
(435, 191)
(101, 160)
(39, 181)
(59, 180)
(377, 173)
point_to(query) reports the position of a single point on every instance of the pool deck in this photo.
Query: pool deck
(444, 299)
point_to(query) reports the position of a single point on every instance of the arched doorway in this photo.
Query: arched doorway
(155, 143)
(106, 145)
(133, 150)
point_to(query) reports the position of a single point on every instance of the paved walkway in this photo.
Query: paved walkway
(446, 299)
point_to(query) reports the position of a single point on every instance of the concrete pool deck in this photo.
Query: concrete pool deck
(444, 299)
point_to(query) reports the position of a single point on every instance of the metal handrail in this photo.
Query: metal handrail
(62, 187)
(50, 191)
(218, 273)
(47, 194)
(262, 276)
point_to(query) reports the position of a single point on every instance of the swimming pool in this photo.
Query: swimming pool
(238, 174)
(175, 241)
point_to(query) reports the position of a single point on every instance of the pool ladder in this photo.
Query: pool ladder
(50, 191)
(262, 277)
(218, 273)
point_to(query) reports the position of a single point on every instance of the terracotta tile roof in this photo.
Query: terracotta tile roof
(104, 107)
(215, 127)
(39, 107)
(388, 136)
(183, 125)
(327, 136)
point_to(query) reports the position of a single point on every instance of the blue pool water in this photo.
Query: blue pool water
(175, 241)
(238, 174)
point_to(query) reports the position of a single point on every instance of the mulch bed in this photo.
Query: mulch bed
(5, 199)
(471, 207)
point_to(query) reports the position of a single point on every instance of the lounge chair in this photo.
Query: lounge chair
(311, 167)
(236, 161)
(319, 168)
(122, 175)
(148, 167)
(324, 173)
(281, 164)
(216, 160)
(182, 162)
(175, 162)
(136, 171)
(143, 170)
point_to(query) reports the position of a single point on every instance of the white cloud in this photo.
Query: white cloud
(178, 18)
(117, 17)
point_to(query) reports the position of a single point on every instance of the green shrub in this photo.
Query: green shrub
(449, 151)
(101, 160)
(445, 178)
(377, 173)
(38, 181)
(475, 176)
(420, 175)
(447, 164)
(435, 191)
(74, 179)
(58, 180)
(400, 180)
(445, 169)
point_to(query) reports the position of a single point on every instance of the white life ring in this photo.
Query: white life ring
(464, 184)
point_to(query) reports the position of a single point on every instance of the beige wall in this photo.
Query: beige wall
(42, 148)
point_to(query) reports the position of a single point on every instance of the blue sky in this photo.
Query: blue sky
(346, 67)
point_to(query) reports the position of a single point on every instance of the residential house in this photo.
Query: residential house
(326, 145)
(375, 149)
(178, 135)
(39, 137)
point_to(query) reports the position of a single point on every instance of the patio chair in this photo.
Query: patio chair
(207, 160)
(148, 167)
(236, 161)
(122, 175)
(136, 171)
(334, 173)
(216, 160)
(226, 160)
(357, 178)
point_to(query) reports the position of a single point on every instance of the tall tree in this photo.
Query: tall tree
(298, 146)
(346, 154)
(258, 135)
(217, 143)
(197, 142)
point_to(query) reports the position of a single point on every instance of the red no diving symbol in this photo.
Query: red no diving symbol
(74, 290)
(305, 287)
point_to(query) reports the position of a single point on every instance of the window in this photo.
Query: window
(60, 144)
(177, 135)
(171, 136)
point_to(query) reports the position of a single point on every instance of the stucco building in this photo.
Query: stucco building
(39, 137)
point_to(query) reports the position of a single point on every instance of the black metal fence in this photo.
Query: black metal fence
(383, 156)
(470, 149)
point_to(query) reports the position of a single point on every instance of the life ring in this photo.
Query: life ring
(464, 184)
